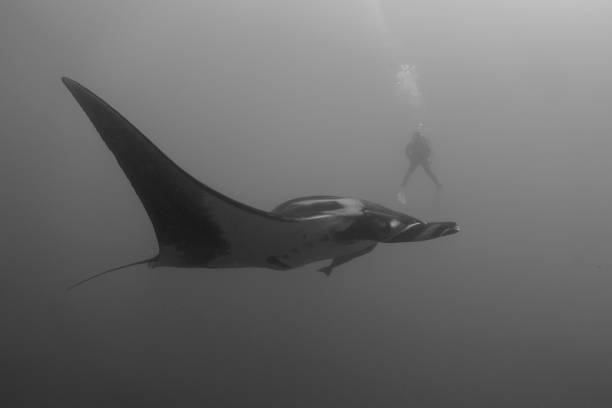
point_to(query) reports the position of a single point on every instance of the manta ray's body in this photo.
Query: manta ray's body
(198, 227)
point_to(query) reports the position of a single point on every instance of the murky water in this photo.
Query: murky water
(269, 100)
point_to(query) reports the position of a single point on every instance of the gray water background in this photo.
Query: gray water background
(269, 100)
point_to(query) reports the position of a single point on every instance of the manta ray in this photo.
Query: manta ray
(198, 227)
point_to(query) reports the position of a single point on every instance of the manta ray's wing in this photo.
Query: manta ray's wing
(194, 225)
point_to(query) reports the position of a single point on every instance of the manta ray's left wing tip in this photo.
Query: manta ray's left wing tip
(69, 82)
(194, 224)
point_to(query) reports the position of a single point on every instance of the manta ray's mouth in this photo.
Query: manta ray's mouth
(450, 231)
(424, 232)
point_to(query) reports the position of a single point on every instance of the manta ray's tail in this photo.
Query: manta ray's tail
(97, 275)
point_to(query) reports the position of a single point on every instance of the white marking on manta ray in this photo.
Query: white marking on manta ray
(350, 206)
(407, 227)
(316, 217)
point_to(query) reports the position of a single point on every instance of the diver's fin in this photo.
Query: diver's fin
(189, 218)
(401, 197)
(97, 275)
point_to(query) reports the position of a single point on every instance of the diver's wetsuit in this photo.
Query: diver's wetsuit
(419, 153)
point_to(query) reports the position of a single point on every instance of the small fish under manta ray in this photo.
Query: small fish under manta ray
(198, 227)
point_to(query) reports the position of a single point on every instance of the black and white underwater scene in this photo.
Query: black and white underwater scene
(319, 203)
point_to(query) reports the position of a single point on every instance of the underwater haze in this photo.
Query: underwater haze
(266, 100)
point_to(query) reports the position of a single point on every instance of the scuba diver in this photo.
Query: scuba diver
(418, 152)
